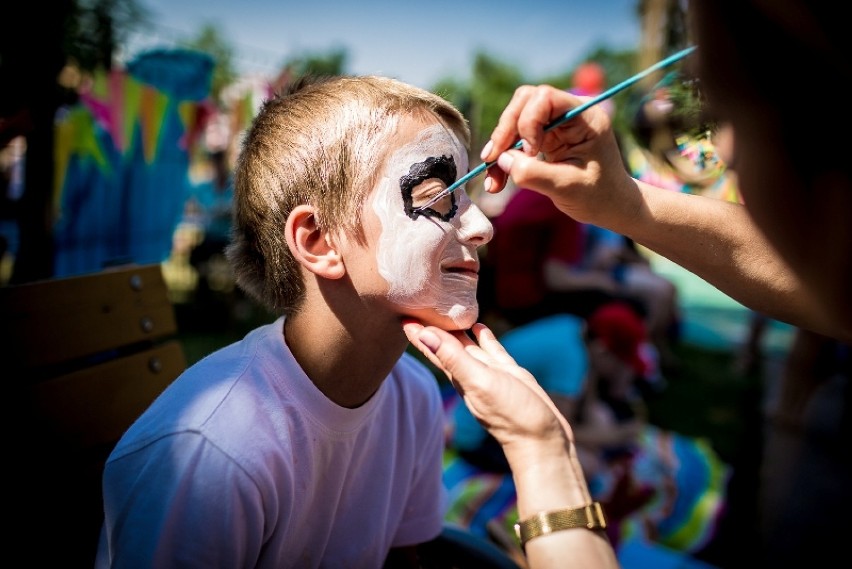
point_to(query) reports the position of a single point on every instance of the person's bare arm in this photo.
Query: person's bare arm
(583, 174)
(533, 434)
(718, 241)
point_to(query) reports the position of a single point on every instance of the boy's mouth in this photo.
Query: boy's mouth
(469, 268)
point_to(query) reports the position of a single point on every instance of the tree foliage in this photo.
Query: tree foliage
(492, 87)
(484, 96)
(212, 42)
(331, 62)
(96, 28)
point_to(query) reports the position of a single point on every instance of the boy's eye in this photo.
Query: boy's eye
(423, 182)
(422, 193)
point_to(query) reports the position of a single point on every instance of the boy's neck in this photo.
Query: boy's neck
(346, 361)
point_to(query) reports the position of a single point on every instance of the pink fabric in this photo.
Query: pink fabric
(528, 232)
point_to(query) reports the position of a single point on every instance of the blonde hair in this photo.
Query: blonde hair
(324, 144)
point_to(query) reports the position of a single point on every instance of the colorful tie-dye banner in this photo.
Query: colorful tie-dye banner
(122, 161)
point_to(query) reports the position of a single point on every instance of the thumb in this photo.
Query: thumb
(447, 352)
(532, 172)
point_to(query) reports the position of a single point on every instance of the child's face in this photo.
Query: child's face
(429, 261)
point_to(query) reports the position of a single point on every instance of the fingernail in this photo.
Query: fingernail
(486, 150)
(486, 185)
(430, 340)
(505, 161)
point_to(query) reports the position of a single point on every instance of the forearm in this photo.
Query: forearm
(718, 241)
(551, 479)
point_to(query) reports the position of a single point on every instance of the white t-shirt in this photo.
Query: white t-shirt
(243, 462)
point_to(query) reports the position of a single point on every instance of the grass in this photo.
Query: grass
(707, 398)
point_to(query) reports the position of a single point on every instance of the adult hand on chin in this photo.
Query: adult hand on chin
(503, 396)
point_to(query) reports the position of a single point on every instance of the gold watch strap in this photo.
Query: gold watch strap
(543, 523)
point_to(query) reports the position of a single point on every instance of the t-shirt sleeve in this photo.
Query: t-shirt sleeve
(179, 501)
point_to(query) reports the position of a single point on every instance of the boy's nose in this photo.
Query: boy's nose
(475, 227)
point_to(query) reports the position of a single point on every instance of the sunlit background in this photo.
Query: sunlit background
(121, 121)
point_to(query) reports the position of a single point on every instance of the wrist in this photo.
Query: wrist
(548, 477)
(547, 445)
(540, 524)
(630, 208)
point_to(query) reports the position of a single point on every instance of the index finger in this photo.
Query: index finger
(505, 134)
(528, 113)
(452, 354)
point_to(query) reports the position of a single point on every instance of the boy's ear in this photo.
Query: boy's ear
(311, 245)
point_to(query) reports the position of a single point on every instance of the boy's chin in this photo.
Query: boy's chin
(455, 320)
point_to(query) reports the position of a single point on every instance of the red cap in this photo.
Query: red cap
(622, 331)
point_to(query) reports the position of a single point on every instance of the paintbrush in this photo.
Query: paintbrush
(560, 120)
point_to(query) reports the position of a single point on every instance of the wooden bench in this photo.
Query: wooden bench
(82, 358)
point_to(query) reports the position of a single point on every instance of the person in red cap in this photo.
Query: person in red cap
(610, 416)
(622, 332)
(610, 413)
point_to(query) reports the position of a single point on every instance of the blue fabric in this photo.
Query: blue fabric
(155, 195)
(88, 233)
(180, 73)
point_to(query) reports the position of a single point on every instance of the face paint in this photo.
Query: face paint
(429, 262)
(423, 181)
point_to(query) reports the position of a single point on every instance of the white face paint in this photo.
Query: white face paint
(429, 262)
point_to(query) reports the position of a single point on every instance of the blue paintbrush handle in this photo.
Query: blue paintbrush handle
(567, 116)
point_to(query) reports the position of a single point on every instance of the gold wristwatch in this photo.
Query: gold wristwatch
(542, 523)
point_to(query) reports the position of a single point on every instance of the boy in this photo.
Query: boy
(315, 440)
